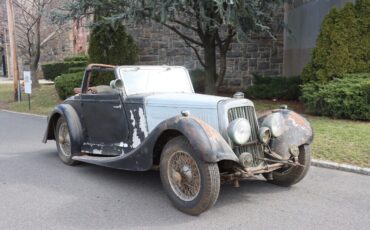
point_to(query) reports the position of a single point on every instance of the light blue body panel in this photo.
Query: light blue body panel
(159, 107)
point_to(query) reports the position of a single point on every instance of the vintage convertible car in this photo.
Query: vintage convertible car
(143, 117)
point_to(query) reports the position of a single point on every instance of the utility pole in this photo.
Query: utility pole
(13, 47)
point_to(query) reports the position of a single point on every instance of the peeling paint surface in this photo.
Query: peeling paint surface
(142, 122)
(135, 138)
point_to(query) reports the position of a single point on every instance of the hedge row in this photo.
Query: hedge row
(65, 84)
(55, 69)
(348, 97)
(285, 88)
(84, 58)
(72, 64)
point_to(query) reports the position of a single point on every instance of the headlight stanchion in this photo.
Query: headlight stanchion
(264, 135)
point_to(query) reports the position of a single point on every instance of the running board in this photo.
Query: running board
(94, 159)
(133, 161)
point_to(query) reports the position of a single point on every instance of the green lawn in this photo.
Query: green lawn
(263, 105)
(43, 100)
(342, 141)
(6, 94)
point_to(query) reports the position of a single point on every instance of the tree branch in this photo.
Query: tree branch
(183, 36)
(196, 53)
(23, 9)
(185, 25)
(51, 36)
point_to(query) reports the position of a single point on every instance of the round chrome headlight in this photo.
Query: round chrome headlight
(264, 135)
(239, 131)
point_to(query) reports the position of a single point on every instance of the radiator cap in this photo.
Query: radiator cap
(185, 113)
(238, 95)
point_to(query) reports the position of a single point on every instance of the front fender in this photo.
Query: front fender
(204, 139)
(289, 128)
(73, 122)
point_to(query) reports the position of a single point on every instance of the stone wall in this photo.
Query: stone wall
(260, 55)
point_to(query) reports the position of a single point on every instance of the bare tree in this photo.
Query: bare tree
(32, 30)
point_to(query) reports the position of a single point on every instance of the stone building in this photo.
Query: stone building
(284, 56)
(261, 55)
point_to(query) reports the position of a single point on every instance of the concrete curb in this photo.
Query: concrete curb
(27, 114)
(341, 167)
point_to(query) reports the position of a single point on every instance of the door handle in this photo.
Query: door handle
(117, 106)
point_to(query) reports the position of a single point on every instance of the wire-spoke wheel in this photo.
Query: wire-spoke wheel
(63, 142)
(191, 184)
(184, 175)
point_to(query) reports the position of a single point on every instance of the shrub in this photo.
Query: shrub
(65, 84)
(285, 88)
(348, 97)
(76, 69)
(198, 79)
(84, 58)
(111, 45)
(52, 70)
(343, 44)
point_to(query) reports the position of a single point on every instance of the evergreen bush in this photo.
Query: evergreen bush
(348, 97)
(112, 45)
(65, 84)
(52, 70)
(84, 58)
(343, 44)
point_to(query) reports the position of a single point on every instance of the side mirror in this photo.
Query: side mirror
(116, 84)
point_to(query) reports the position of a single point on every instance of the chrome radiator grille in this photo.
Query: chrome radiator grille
(252, 146)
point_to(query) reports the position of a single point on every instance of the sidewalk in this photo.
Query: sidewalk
(4, 80)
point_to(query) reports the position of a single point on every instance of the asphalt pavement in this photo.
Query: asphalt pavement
(37, 191)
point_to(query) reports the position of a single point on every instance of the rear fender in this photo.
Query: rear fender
(289, 128)
(73, 122)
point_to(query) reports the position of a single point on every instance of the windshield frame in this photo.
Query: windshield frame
(152, 67)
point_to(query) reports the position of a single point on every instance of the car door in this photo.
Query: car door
(104, 117)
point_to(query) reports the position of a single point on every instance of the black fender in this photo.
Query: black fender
(73, 122)
(205, 140)
(288, 128)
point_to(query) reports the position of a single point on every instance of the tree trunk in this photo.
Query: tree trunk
(210, 65)
(35, 58)
(33, 69)
(222, 72)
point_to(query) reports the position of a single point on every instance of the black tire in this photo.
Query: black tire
(294, 174)
(209, 182)
(62, 150)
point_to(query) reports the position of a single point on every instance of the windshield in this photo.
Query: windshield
(150, 79)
